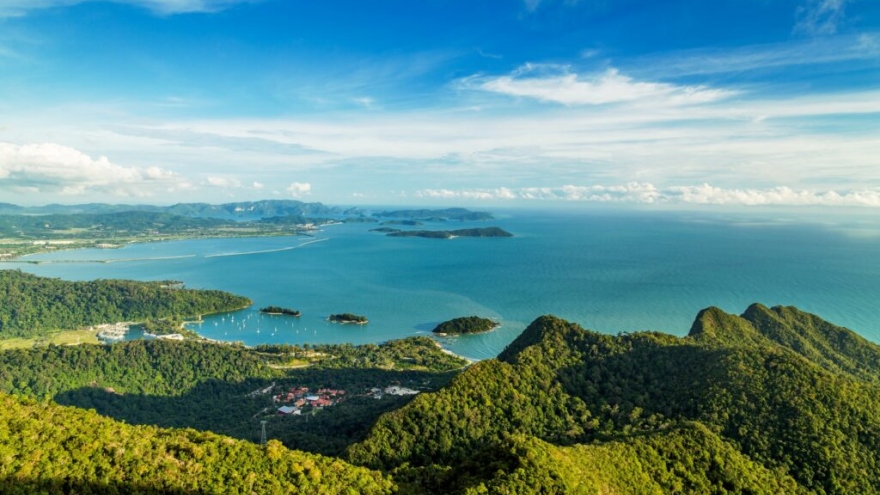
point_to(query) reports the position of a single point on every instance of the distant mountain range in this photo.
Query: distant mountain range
(245, 209)
(250, 210)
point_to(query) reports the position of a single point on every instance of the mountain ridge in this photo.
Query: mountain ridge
(569, 387)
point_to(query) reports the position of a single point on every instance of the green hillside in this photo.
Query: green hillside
(772, 401)
(32, 306)
(52, 449)
(746, 380)
(685, 459)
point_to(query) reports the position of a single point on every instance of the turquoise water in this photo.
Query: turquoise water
(610, 272)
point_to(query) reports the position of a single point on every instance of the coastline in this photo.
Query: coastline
(444, 350)
(21, 258)
(62, 245)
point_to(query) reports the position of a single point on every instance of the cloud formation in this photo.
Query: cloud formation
(646, 193)
(49, 167)
(299, 189)
(15, 8)
(820, 17)
(863, 47)
(224, 182)
(558, 84)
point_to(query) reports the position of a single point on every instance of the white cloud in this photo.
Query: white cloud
(12, 8)
(706, 194)
(558, 84)
(820, 17)
(258, 185)
(299, 189)
(54, 168)
(811, 51)
(224, 182)
(646, 193)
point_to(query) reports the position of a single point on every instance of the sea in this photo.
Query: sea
(608, 270)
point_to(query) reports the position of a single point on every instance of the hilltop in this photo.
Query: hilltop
(775, 400)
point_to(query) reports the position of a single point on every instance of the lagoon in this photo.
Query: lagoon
(610, 271)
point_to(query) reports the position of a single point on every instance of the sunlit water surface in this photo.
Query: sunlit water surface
(610, 272)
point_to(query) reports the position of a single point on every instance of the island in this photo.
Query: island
(348, 318)
(386, 230)
(449, 234)
(278, 310)
(466, 325)
(459, 214)
(409, 223)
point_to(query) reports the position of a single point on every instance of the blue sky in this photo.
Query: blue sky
(728, 102)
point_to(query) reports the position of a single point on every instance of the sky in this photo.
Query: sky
(498, 102)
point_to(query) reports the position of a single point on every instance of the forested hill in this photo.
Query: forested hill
(45, 448)
(773, 401)
(32, 306)
(832, 347)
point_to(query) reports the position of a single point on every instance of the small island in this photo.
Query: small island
(277, 310)
(466, 325)
(348, 318)
(410, 223)
(449, 234)
(460, 214)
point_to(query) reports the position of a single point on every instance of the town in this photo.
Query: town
(297, 399)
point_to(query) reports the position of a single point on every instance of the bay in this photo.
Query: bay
(610, 271)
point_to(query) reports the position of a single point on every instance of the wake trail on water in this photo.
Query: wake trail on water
(221, 255)
(110, 260)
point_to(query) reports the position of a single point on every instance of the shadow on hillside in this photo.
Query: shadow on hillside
(233, 409)
(15, 486)
(669, 382)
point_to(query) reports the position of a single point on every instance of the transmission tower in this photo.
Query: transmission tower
(263, 434)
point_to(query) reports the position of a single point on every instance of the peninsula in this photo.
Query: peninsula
(40, 229)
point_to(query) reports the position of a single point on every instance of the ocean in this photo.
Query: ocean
(610, 271)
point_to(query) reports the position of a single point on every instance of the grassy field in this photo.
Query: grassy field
(68, 337)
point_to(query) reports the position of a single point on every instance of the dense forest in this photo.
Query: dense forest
(46, 448)
(31, 306)
(772, 401)
(465, 324)
(209, 386)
